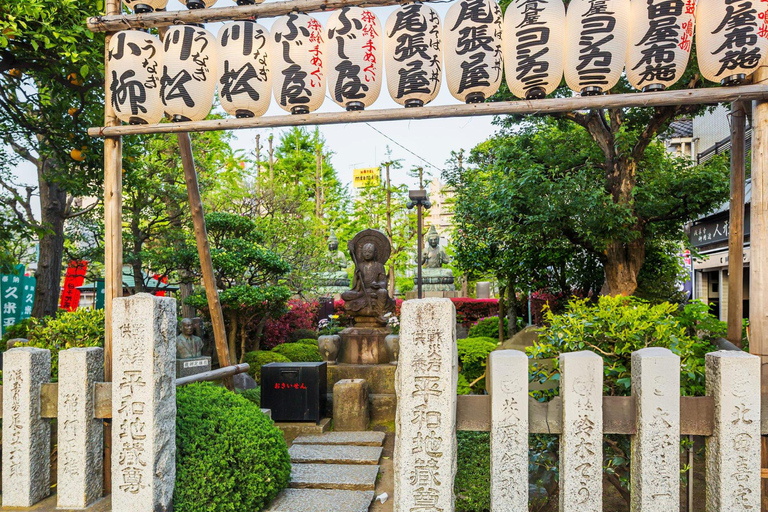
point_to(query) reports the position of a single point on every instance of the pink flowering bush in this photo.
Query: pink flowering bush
(301, 315)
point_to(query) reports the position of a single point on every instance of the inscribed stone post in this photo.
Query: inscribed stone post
(425, 447)
(143, 403)
(656, 446)
(80, 435)
(581, 443)
(508, 387)
(733, 450)
(26, 436)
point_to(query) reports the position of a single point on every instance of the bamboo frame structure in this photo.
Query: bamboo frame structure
(523, 107)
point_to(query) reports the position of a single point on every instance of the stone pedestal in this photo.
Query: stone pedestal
(350, 406)
(363, 345)
(427, 294)
(143, 403)
(192, 366)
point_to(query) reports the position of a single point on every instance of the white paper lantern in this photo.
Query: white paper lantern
(534, 42)
(144, 6)
(731, 38)
(189, 67)
(245, 73)
(413, 51)
(355, 50)
(298, 60)
(134, 64)
(474, 63)
(197, 4)
(660, 40)
(596, 38)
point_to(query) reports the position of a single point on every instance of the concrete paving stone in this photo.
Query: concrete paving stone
(321, 500)
(325, 454)
(368, 438)
(349, 477)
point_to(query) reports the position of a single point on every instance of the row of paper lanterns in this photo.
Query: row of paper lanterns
(537, 43)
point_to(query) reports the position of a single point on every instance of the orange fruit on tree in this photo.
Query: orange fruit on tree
(72, 111)
(15, 73)
(77, 155)
(74, 79)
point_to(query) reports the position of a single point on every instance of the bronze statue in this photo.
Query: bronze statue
(368, 297)
(187, 344)
(338, 260)
(434, 256)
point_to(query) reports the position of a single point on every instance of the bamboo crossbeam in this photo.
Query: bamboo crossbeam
(220, 373)
(240, 12)
(523, 107)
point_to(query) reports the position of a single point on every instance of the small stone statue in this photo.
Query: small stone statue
(434, 256)
(336, 280)
(434, 277)
(368, 297)
(338, 260)
(187, 344)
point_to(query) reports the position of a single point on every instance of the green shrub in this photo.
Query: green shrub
(259, 358)
(487, 328)
(462, 386)
(18, 330)
(229, 455)
(308, 341)
(79, 328)
(473, 357)
(298, 353)
(473, 472)
(252, 395)
(302, 334)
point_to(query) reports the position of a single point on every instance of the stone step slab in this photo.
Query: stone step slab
(348, 477)
(321, 500)
(368, 438)
(328, 454)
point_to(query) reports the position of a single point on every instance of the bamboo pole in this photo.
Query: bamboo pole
(736, 224)
(521, 107)
(758, 267)
(243, 12)
(204, 251)
(113, 233)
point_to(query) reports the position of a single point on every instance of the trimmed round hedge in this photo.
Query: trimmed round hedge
(229, 455)
(473, 355)
(308, 341)
(299, 353)
(259, 358)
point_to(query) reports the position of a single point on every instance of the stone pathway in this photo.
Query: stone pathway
(333, 472)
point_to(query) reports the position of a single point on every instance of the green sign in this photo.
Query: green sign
(99, 294)
(17, 293)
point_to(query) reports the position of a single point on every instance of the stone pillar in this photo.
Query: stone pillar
(26, 436)
(655, 468)
(425, 447)
(508, 387)
(143, 403)
(80, 435)
(581, 443)
(733, 450)
(350, 406)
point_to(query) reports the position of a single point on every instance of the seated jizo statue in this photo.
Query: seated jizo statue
(368, 301)
(187, 344)
(433, 276)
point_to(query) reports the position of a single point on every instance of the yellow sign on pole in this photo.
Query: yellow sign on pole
(368, 177)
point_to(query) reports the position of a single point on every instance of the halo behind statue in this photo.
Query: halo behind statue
(375, 237)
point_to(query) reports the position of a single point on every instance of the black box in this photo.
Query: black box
(295, 391)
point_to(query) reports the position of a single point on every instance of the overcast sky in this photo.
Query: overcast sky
(425, 143)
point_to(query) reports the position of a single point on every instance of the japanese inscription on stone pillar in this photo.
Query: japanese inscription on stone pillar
(143, 403)
(425, 447)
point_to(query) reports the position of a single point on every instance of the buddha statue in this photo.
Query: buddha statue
(368, 300)
(434, 276)
(336, 280)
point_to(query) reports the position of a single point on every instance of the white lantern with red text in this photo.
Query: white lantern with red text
(731, 38)
(596, 37)
(189, 72)
(660, 40)
(134, 64)
(298, 60)
(145, 6)
(413, 51)
(534, 42)
(245, 73)
(473, 57)
(354, 62)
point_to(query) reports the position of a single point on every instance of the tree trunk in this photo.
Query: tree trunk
(512, 309)
(622, 265)
(53, 206)
(185, 290)
(502, 309)
(232, 339)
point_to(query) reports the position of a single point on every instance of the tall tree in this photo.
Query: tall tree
(51, 91)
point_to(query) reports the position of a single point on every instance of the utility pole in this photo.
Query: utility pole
(318, 173)
(258, 161)
(271, 160)
(736, 224)
(389, 231)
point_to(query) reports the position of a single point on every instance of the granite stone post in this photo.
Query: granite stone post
(508, 387)
(80, 435)
(581, 443)
(733, 451)
(350, 406)
(655, 463)
(426, 378)
(26, 436)
(143, 403)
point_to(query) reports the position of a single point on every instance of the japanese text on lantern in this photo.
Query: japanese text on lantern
(594, 59)
(131, 385)
(659, 42)
(479, 41)
(369, 31)
(418, 48)
(16, 428)
(316, 37)
(427, 445)
(740, 30)
(533, 39)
